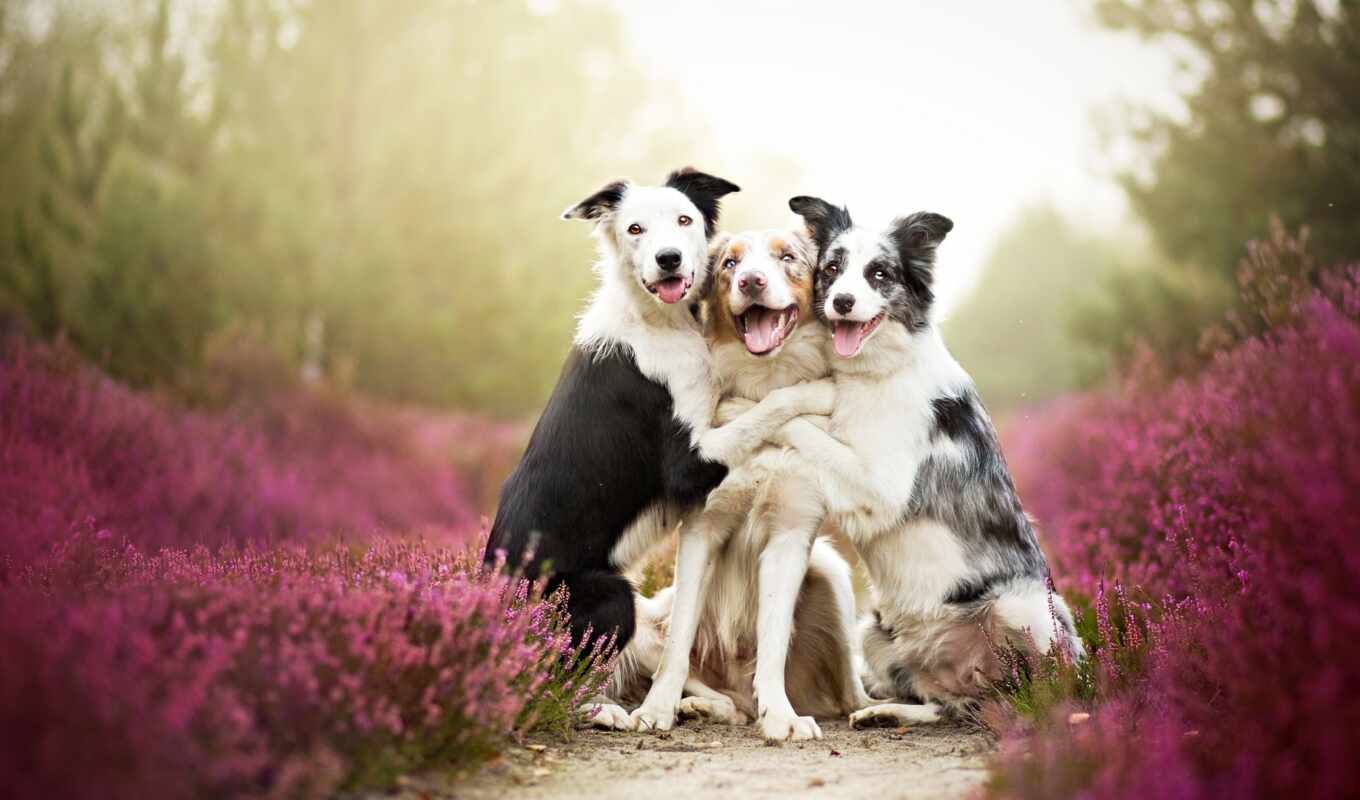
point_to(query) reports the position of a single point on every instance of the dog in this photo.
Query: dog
(625, 447)
(914, 475)
(761, 521)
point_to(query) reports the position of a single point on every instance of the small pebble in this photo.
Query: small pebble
(1077, 717)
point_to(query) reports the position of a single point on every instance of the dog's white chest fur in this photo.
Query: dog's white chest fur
(666, 345)
(884, 412)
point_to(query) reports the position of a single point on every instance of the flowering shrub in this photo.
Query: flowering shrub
(1226, 504)
(287, 671)
(74, 443)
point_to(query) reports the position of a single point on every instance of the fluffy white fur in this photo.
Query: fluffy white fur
(762, 521)
(668, 347)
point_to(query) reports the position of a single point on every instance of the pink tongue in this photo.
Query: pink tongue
(671, 290)
(762, 330)
(848, 336)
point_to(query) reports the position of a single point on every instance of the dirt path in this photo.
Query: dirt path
(926, 761)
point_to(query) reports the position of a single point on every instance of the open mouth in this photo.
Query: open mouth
(670, 290)
(764, 329)
(849, 335)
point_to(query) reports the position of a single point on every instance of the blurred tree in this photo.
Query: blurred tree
(1012, 332)
(369, 191)
(1272, 126)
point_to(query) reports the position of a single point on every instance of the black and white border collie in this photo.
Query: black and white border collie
(914, 476)
(624, 448)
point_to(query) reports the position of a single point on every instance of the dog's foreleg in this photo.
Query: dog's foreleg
(739, 439)
(838, 468)
(783, 565)
(657, 711)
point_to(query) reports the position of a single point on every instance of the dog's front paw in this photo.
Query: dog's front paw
(607, 716)
(814, 397)
(789, 728)
(654, 717)
(895, 715)
(722, 711)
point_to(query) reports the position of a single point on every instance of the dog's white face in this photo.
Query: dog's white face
(856, 287)
(660, 238)
(866, 276)
(658, 235)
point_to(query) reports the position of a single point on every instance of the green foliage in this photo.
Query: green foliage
(1013, 332)
(1270, 128)
(370, 189)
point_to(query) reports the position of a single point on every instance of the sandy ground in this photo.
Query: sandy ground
(699, 759)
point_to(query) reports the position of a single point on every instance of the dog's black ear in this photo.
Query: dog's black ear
(704, 191)
(824, 221)
(598, 204)
(917, 235)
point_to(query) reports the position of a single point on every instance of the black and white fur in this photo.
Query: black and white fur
(624, 447)
(914, 476)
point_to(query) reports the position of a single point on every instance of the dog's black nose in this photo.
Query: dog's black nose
(751, 283)
(843, 303)
(668, 259)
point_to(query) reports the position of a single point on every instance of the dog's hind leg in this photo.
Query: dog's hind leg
(707, 703)
(601, 605)
(895, 715)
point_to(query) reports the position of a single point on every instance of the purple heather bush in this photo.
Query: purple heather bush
(276, 600)
(1211, 520)
(74, 443)
(288, 671)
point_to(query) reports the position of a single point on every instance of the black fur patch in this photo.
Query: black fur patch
(973, 590)
(606, 448)
(704, 191)
(954, 417)
(824, 220)
(597, 205)
(971, 492)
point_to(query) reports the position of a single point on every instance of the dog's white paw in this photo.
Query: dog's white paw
(895, 715)
(722, 711)
(653, 717)
(607, 716)
(789, 728)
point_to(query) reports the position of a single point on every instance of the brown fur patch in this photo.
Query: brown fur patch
(817, 674)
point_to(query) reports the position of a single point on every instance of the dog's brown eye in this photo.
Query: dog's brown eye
(832, 268)
(635, 229)
(684, 220)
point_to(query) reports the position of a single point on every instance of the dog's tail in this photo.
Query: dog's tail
(601, 605)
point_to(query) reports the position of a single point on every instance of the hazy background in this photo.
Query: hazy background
(219, 197)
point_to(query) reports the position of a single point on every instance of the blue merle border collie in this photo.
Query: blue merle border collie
(625, 448)
(915, 477)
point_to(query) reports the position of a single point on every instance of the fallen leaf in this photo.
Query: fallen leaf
(835, 753)
(537, 748)
(1077, 718)
(816, 782)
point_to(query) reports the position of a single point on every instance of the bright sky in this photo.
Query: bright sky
(971, 109)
